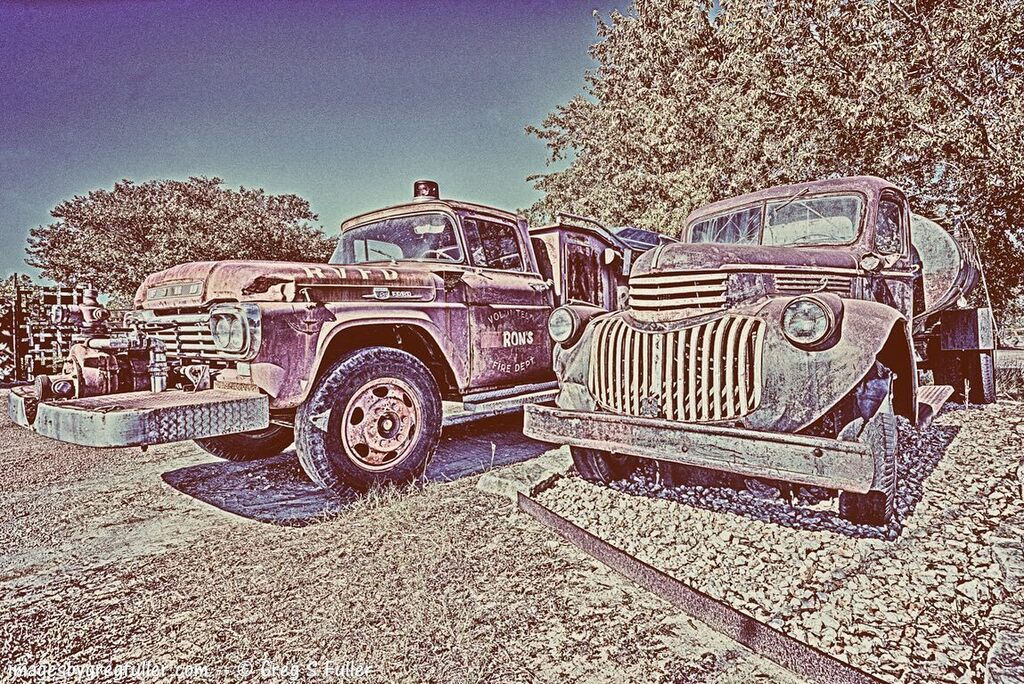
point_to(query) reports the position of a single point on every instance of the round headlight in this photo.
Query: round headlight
(562, 324)
(222, 326)
(236, 336)
(807, 321)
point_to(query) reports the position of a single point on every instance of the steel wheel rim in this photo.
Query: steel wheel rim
(380, 423)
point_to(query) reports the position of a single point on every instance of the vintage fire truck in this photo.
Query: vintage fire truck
(430, 313)
(779, 340)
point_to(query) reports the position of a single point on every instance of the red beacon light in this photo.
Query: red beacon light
(425, 190)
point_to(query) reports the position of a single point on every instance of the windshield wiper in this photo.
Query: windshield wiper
(792, 198)
(383, 254)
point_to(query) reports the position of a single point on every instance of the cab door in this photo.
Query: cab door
(509, 303)
(896, 284)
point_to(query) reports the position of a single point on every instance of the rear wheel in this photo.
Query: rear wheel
(374, 417)
(876, 506)
(981, 372)
(602, 467)
(248, 446)
(973, 368)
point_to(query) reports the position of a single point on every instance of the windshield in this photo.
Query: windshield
(421, 237)
(796, 221)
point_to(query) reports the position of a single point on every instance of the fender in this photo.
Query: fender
(800, 386)
(300, 338)
(347, 322)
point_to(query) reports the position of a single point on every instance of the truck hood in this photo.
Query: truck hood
(200, 283)
(735, 257)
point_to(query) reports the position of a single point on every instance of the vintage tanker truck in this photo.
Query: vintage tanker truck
(431, 312)
(780, 339)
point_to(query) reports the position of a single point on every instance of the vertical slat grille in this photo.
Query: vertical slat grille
(703, 373)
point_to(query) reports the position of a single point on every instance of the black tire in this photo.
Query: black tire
(249, 446)
(681, 475)
(981, 372)
(876, 507)
(374, 417)
(602, 467)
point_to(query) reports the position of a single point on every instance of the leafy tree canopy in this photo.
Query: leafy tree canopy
(687, 107)
(113, 239)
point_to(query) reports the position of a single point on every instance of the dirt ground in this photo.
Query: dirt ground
(171, 565)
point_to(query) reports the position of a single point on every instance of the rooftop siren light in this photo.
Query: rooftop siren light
(425, 190)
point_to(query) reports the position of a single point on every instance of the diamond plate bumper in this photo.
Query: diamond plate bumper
(140, 418)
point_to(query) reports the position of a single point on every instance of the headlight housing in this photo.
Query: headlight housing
(807, 321)
(563, 324)
(235, 329)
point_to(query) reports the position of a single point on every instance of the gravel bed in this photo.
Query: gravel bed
(909, 603)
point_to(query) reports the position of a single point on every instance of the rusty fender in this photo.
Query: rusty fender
(814, 461)
(798, 385)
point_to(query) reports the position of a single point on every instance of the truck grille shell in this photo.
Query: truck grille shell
(667, 292)
(798, 283)
(703, 373)
(187, 337)
(677, 291)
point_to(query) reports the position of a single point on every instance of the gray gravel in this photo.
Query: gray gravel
(909, 603)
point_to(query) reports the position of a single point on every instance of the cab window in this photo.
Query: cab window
(888, 232)
(582, 275)
(494, 245)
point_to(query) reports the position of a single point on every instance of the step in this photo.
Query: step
(930, 399)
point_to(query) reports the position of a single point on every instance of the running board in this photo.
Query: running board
(476, 398)
(465, 412)
(930, 399)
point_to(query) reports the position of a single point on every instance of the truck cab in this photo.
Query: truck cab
(429, 313)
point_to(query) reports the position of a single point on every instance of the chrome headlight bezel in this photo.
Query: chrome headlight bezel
(797, 312)
(236, 329)
(563, 325)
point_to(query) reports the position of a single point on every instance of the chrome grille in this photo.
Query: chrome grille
(187, 336)
(674, 291)
(798, 283)
(706, 372)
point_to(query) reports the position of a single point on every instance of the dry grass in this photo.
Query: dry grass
(1010, 383)
(104, 562)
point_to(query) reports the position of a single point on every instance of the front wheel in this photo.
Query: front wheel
(248, 446)
(374, 417)
(876, 506)
(602, 467)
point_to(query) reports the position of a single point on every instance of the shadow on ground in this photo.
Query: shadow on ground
(919, 454)
(276, 490)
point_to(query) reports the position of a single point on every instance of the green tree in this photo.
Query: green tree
(688, 106)
(113, 239)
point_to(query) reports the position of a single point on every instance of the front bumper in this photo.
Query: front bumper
(140, 418)
(814, 461)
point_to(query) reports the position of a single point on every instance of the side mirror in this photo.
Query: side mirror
(610, 256)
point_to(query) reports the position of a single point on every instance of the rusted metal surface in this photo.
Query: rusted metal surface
(706, 365)
(814, 461)
(796, 656)
(141, 418)
(466, 289)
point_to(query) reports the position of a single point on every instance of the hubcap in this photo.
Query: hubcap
(379, 424)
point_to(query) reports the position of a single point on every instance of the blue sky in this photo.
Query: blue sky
(343, 103)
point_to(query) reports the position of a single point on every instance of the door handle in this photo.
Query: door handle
(542, 286)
